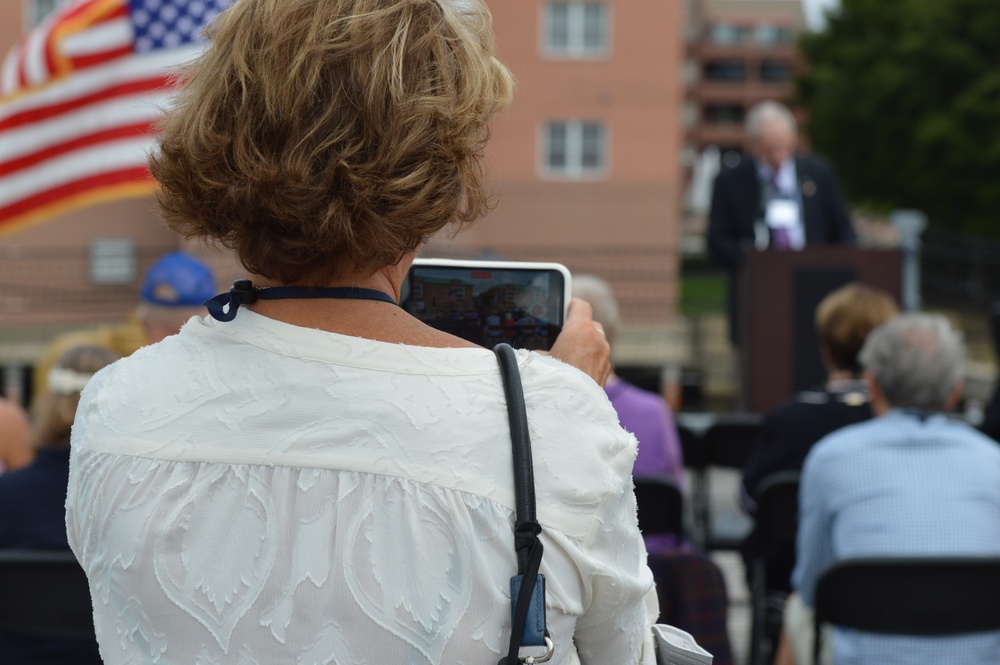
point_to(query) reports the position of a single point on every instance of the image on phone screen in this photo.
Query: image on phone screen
(489, 302)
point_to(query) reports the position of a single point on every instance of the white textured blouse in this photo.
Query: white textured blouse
(254, 492)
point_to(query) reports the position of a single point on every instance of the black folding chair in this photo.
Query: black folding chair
(44, 594)
(660, 506)
(727, 444)
(910, 596)
(691, 428)
(777, 499)
(692, 444)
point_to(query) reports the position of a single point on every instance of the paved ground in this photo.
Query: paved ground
(739, 604)
(729, 521)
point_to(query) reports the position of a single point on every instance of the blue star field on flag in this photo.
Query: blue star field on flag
(160, 24)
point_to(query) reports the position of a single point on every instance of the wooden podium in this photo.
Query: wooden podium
(777, 299)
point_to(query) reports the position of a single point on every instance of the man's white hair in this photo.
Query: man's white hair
(917, 360)
(766, 112)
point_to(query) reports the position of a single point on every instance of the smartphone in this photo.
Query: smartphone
(488, 302)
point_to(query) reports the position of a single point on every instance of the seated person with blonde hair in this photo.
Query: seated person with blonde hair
(844, 319)
(33, 499)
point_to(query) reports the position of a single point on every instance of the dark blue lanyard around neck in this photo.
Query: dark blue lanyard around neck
(224, 306)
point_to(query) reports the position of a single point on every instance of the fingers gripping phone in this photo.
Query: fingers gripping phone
(488, 302)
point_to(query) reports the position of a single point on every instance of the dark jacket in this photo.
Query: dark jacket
(33, 516)
(736, 198)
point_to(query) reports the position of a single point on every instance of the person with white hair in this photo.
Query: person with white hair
(776, 199)
(641, 412)
(910, 482)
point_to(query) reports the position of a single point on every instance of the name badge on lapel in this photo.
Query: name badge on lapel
(782, 214)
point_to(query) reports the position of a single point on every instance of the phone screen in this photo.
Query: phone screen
(490, 302)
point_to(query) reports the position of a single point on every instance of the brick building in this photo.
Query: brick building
(739, 52)
(585, 163)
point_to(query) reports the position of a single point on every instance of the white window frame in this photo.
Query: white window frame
(574, 168)
(576, 47)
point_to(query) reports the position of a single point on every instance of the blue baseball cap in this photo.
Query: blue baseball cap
(178, 280)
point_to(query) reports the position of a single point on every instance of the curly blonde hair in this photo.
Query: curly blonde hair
(846, 316)
(320, 136)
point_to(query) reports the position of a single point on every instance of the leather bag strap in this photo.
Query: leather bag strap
(526, 527)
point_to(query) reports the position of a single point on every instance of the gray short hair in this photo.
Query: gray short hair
(916, 359)
(602, 299)
(767, 112)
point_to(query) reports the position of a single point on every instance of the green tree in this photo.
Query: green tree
(904, 97)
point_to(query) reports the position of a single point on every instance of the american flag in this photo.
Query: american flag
(78, 97)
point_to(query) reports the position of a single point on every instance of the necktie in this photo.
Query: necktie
(779, 236)
(780, 239)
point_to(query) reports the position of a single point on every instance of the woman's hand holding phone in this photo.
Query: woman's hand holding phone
(582, 343)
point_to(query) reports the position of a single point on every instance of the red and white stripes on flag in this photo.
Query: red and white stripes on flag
(78, 99)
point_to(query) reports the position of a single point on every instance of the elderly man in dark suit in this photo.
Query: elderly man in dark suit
(777, 199)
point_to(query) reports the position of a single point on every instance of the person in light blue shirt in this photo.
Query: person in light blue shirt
(910, 482)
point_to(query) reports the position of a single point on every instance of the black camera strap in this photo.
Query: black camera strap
(528, 586)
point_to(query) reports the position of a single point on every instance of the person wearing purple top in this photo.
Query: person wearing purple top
(643, 413)
(647, 415)
(690, 587)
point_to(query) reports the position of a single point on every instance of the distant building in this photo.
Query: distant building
(586, 161)
(441, 296)
(585, 164)
(739, 52)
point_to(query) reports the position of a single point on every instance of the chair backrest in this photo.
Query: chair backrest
(660, 506)
(714, 440)
(911, 596)
(777, 498)
(730, 439)
(691, 427)
(692, 447)
(44, 594)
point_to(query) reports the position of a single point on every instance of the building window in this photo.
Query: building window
(728, 33)
(767, 34)
(724, 114)
(772, 71)
(734, 71)
(39, 9)
(690, 113)
(576, 29)
(574, 149)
